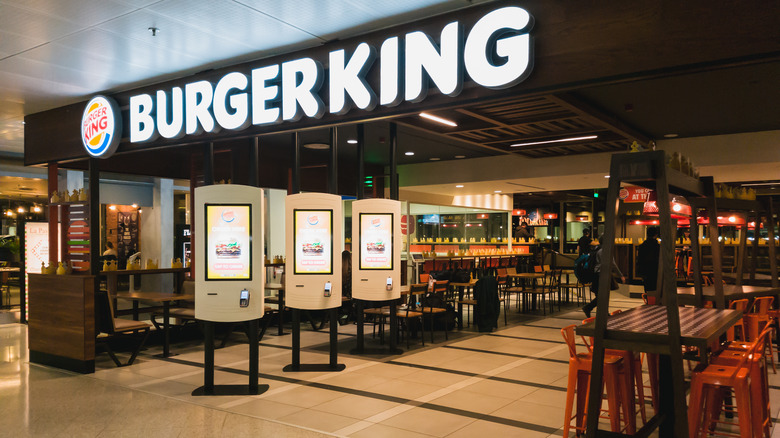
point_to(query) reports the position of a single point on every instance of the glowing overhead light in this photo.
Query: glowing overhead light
(37, 209)
(112, 207)
(606, 176)
(435, 159)
(459, 186)
(439, 120)
(460, 156)
(496, 191)
(352, 141)
(134, 205)
(561, 140)
(670, 135)
(409, 154)
(20, 210)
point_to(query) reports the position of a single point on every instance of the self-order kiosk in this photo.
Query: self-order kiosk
(229, 268)
(376, 249)
(313, 248)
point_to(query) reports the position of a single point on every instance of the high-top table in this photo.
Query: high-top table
(731, 292)
(645, 328)
(164, 298)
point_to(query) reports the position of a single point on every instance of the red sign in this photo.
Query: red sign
(551, 215)
(407, 226)
(518, 212)
(633, 194)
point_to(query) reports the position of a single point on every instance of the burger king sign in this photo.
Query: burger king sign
(101, 127)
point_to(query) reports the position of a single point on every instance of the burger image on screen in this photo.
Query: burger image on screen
(228, 250)
(313, 248)
(377, 247)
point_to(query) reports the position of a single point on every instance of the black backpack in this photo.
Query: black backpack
(584, 267)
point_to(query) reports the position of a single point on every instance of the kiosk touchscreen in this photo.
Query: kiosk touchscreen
(376, 259)
(229, 271)
(313, 247)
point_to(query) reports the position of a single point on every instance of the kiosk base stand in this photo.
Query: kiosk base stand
(252, 388)
(360, 348)
(296, 365)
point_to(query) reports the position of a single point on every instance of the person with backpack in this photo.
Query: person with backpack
(596, 262)
(647, 260)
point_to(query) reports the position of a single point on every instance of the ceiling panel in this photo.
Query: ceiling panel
(84, 13)
(36, 27)
(244, 28)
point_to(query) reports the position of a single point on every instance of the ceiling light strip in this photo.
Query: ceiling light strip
(587, 137)
(439, 120)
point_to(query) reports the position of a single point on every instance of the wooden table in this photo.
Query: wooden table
(759, 280)
(687, 295)
(112, 276)
(645, 328)
(163, 298)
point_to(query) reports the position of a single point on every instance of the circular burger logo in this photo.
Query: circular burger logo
(228, 216)
(101, 127)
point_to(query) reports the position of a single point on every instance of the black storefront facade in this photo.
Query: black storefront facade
(245, 122)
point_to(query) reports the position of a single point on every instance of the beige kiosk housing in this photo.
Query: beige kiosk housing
(313, 247)
(376, 249)
(230, 273)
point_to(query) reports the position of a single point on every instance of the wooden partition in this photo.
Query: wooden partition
(62, 321)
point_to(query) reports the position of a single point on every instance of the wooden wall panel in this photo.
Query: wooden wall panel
(62, 316)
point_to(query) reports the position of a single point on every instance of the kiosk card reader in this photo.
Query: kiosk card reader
(327, 289)
(389, 286)
(243, 300)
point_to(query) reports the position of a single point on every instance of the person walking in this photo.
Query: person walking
(594, 285)
(647, 260)
(583, 245)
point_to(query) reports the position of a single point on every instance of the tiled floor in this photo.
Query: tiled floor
(511, 382)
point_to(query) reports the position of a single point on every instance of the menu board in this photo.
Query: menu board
(228, 242)
(376, 241)
(313, 241)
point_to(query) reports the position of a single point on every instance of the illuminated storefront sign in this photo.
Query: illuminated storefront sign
(496, 53)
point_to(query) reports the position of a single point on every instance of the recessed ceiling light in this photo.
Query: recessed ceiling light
(459, 186)
(351, 141)
(460, 156)
(606, 176)
(438, 119)
(670, 135)
(434, 159)
(318, 146)
(587, 137)
(496, 191)
(409, 153)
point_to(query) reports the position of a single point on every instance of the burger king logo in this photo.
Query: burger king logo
(101, 127)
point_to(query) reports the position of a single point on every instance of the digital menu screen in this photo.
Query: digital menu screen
(228, 242)
(313, 241)
(376, 241)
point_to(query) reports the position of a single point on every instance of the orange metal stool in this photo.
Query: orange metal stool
(579, 381)
(707, 386)
(759, 380)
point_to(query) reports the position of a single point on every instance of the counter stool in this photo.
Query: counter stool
(579, 382)
(757, 318)
(759, 380)
(731, 336)
(707, 386)
(634, 363)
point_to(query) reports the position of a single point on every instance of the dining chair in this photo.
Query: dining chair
(110, 327)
